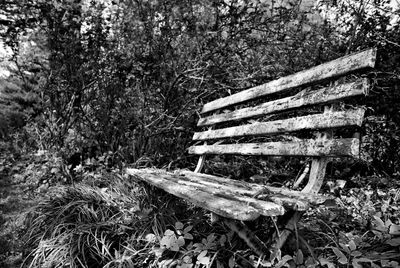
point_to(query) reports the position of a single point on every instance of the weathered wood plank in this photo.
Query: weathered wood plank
(230, 192)
(246, 192)
(316, 121)
(302, 99)
(335, 68)
(249, 189)
(222, 204)
(307, 147)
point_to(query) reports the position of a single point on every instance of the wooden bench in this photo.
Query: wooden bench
(291, 116)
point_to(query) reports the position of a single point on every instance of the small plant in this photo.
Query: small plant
(187, 252)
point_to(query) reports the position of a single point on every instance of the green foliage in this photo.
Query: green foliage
(190, 253)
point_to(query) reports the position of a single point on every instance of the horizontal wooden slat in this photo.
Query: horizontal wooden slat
(335, 68)
(302, 99)
(234, 207)
(316, 121)
(308, 147)
(276, 194)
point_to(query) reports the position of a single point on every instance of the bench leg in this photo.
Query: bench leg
(248, 236)
(317, 174)
(238, 227)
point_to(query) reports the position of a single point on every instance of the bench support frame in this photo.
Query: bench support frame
(313, 186)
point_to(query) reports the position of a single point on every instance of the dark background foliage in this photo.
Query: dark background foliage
(128, 77)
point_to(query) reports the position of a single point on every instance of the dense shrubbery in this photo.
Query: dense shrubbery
(128, 77)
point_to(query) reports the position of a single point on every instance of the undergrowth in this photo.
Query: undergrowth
(127, 224)
(107, 219)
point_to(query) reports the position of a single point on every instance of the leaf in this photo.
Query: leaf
(394, 229)
(178, 225)
(202, 258)
(170, 241)
(165, 242)
(395, 242)
(174, 246)
(283, 261)
(231, 262)
(188, 229)
(356, 262)
(211, 238)
(299, 257)
(326, 262)
(169, 232)
(181, 241)
(150, 238)
(345, 248)
(380, 225)
(158, 251)
(188, 236)
(310, 262)
(341, 257)
(187, 259)
(198, 247)
(190, 246)
(202, 254)
(356, 253)
(352, 245)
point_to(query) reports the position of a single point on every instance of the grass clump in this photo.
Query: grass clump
(85, 226)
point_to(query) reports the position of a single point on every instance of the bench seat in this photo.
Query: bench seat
(227, 197)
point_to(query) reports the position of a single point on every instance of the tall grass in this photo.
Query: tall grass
(86, 226)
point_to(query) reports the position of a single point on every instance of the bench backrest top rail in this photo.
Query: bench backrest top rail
(335, 68)
(302, 99)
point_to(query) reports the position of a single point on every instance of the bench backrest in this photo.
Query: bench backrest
(288, 115)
